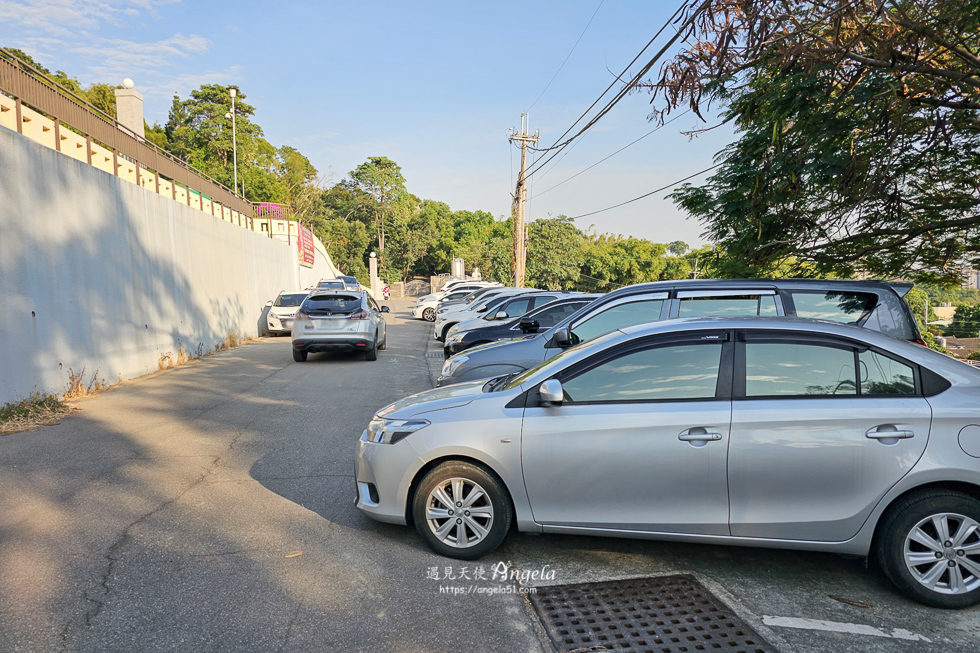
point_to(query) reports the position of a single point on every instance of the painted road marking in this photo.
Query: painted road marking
(838, 627)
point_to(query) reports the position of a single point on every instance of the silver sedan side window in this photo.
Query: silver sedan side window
(679, 371)
(881, 375)
(780, 369)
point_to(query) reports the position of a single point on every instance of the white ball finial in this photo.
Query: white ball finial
(128, 83)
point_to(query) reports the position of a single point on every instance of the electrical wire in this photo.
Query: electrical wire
(567, 57)
(559, 145)
(614, 153)
(663, 188)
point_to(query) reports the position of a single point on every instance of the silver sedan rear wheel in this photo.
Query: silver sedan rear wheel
(942, 552)
(429, 315)
(928, 544)
(462, 510)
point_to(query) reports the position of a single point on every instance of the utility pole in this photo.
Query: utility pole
(520, 195)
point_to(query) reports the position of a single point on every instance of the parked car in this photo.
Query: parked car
(452, 286)
(472, 301)
(448, 317)
(425, 307)
(771, 432)
(279, 319)
(512, 307)
(541, 318)
(334, 284)
(871, 304)
(352, 282)
(339, 320)
(457, 284)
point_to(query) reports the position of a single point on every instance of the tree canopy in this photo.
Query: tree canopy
(859, 133)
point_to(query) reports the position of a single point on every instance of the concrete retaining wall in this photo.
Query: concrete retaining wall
(100, 274)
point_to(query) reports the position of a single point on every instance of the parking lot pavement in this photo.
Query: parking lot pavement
(210, 507)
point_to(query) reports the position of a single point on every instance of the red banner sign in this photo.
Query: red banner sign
(305, 243)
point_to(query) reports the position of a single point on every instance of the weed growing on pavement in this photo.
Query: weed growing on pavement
(77, 387)
(34, 412)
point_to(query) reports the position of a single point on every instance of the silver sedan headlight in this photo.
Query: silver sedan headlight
(453, 364)
(390, 431)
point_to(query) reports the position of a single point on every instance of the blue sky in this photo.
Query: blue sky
(432, 85)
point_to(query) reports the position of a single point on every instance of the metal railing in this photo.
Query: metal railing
(27, 85)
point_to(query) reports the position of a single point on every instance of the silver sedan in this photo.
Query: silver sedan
(771, 432)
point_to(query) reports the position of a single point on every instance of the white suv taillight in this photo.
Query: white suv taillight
(359, 315)
(301, 317)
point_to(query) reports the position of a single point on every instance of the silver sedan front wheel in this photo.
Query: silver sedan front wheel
(462, 510)
(459, 513)
(929, 546)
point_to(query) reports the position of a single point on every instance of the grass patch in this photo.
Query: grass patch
(37, 411)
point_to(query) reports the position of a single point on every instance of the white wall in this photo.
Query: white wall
(98, 273)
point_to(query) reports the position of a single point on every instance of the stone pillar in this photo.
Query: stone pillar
(373, 270)
(129, 110)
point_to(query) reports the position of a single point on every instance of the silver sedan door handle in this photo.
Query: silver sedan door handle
(893, 434)
(698, 434)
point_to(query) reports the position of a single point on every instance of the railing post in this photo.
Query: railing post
(18, 116)
(115, 163)
(57, 135)
(88, 149)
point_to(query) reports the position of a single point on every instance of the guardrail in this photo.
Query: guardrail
(28, 86)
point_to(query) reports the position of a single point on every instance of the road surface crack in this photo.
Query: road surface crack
(99, 595)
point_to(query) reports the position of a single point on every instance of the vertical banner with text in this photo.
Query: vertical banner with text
(305, 243)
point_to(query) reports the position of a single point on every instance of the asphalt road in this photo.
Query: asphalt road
(210, 508)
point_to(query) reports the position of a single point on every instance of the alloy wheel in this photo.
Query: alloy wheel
(459, 513)
(942, 552)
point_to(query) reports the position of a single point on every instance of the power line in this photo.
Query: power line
(616, 206)
(567, 57)
(616, 152)
(618, 77)
(559, 145)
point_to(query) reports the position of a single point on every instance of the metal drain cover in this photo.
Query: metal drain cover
(435, 354)
(670, 614)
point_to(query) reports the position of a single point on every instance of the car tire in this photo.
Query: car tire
(929, 547)
(429, 315)
(384, 344)
(445, 330)
(481, 530)
(371, 353)
(299, 356)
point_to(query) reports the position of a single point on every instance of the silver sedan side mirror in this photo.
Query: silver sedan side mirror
(551, 392)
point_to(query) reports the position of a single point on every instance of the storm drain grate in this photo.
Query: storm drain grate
(671, 614)
(435, 354)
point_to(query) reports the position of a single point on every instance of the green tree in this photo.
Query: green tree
(178, 129)
(851, 114)
(382, 179)
(966, 322)
(554, 256)
(208, 136)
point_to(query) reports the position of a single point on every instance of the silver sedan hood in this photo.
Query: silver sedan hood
(436, 399)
